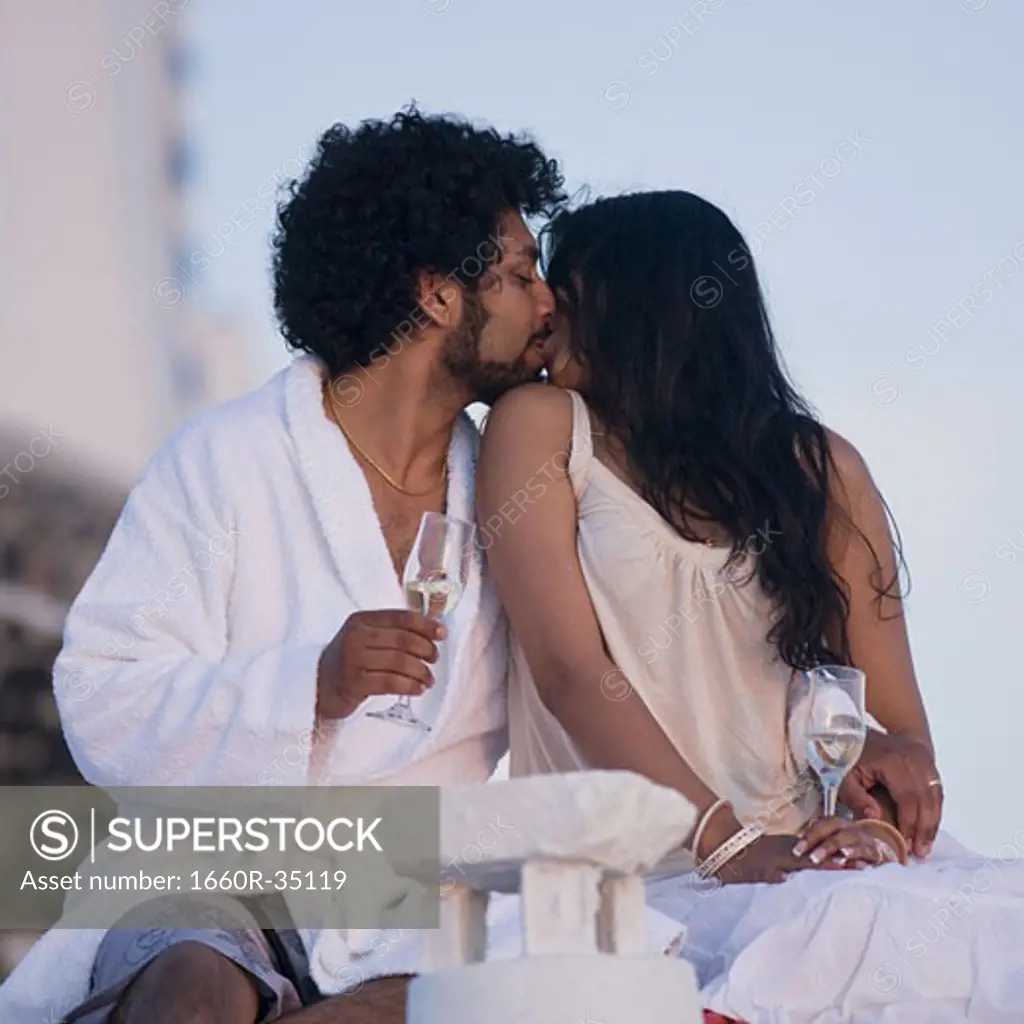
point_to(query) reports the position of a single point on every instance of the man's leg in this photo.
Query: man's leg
(189, 984)
(193, 984)
(222, 972)
(381, 1001)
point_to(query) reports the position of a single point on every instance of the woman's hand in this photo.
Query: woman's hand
(769, 859)
(773, 858)
(841, 843)
(906, 768)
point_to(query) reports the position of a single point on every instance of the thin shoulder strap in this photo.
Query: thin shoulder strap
(582, 441)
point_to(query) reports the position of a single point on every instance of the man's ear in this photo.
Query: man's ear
(440, 298)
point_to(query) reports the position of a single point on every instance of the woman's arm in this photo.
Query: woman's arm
(861, 550)
(876, 626)
(523, 485)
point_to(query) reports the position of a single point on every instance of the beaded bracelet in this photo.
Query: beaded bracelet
(730, 849)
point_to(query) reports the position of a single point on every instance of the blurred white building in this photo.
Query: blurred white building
(98, 340)
(102, 352)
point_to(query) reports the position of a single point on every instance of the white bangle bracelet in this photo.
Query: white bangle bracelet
(730, 849)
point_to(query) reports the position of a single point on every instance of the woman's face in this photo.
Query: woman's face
(564, 369)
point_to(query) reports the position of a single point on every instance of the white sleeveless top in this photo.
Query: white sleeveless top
(689, 635)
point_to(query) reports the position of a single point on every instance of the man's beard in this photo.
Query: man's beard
(485, 381)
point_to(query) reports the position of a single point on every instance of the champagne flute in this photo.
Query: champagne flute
(834, 725)
(434, 578)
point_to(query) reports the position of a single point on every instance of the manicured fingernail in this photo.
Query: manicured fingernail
(800, 849)
(817, 856)
(442, 632)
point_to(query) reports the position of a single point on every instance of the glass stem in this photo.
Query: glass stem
(830, 793)
(405, 701)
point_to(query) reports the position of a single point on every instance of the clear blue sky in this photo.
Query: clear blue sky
(865, 248)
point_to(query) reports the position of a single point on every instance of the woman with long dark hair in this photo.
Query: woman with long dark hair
(674, 535)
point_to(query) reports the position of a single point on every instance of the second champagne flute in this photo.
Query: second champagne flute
(835, 726)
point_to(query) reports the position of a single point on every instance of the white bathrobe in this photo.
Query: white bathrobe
(190, 655)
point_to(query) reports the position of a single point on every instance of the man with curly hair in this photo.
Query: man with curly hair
(248, 610)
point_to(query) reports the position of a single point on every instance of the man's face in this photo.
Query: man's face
(499, 342)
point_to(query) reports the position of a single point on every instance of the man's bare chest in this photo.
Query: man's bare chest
(399, 518)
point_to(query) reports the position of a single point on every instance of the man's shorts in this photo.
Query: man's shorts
(238, 928)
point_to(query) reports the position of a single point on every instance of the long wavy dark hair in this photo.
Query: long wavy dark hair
(667, 316)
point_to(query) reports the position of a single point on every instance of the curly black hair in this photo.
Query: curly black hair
(379, 205)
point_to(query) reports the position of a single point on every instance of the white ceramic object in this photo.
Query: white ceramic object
(575, 847)
(563, 989)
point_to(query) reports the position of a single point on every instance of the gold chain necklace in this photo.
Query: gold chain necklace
(371, 462)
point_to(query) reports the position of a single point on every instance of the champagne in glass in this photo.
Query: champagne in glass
(834, 726)
(435, 595)
(434, 578)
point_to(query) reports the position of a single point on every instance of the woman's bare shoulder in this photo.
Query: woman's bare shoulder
(529, 400)
(855, 482)
(847, 458)
(529, 416)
